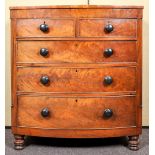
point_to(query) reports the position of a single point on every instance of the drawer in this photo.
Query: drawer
(97, 28)
(50, 79)
(56, 28)
(76, 51)
(80, 112)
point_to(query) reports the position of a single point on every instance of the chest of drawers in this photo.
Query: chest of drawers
(76, 72)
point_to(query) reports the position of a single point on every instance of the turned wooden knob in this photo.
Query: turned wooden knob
(44, 52)
(108, 52)
(109, 28)
(108, 80)
(44, 80)
(45, 112)
(108, 113)
(44, 27)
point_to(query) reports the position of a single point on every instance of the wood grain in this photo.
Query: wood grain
(77, 65)
(139, 76)
(57, 27)
(79, 133)
(76, 95)
(78, 13)
(76, 112)
(77, 7)
(13, 73)
(95, 27)
(76, 38)
(76, 80)
(76, 51)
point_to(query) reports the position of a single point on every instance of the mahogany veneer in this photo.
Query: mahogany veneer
(76, 72)
(72, 51)
(76, 79)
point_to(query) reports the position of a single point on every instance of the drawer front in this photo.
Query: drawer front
(56, 28)
(48, 79)
(96, 27)
(76, 51)
(48, 112)
(77, 13)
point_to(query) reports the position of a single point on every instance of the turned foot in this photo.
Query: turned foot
(19, 142)
(133, 143)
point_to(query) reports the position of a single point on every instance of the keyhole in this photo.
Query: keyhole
(76, 70)
(76, 100)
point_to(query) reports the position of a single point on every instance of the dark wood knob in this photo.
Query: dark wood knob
(108, 52)
(44, 27)
(108, 80)
(45, 112)
(44, 80)
(107, 113)
(43, 52)
(109, 28)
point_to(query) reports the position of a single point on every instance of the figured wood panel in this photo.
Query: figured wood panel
(81, 107)
(57, 27)
(76, 51)
(76, 79)
(80, 12)
(95, 28)
(76, 112)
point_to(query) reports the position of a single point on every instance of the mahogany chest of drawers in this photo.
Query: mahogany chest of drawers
(76, 72)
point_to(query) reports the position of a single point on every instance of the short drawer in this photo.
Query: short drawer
(56, 28)
(76, 113)
(76, 51)
(50, 79)
(108, 28)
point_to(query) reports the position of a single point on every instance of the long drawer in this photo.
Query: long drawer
(80, 112)
(49, 79)
(76, 51)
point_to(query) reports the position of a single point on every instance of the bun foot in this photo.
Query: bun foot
(19, 142)
(133, 143)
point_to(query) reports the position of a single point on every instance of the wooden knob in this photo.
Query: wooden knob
(108, 52)
(108, 80)
(43, 52)
(44, 80)
(44, 27)
(45, 112)
(108, 113)
(109, 28)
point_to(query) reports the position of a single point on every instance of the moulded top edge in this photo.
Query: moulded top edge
(76, 7)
